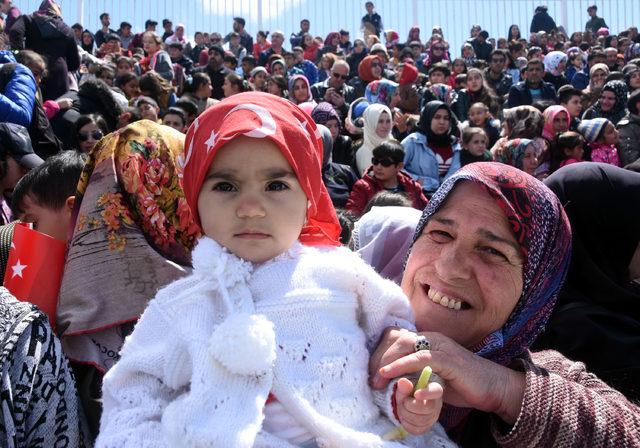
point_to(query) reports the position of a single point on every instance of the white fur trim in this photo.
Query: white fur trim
(244, 344)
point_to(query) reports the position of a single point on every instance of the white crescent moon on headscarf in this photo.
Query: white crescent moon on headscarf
(183, 160)
(268, 123)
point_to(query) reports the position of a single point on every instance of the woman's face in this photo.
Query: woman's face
(88, 136)
(562, 66)
(441, 122)
(474, 82)
(560, 123)
(86, 38)
(464, 275)
(530, 160)
(300, 91)
(228, 89)
(149, 44)
(467, 52)
(273, 88)
(607, 100)
(458, 67)
(597, 79)
(634, 80)
(376, 69)
(308, 40)
(325, 63)
(278, 69)
(204, 90)
(383, 127)
(334, 127)
(131, 89)
(477, 145)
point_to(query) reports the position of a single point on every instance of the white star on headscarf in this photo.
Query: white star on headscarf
(211, 140)
(17, 269)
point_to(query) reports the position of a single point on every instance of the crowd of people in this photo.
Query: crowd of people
(266, 243)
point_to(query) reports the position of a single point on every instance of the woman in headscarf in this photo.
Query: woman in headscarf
(408, 99)
(433, 151)
(497, 243)
(337, 178)
(597, 319)
(133, 232)
(555, 64)
(331, 45)
(380, 91)
(325, 114)
(87, 41)
(632, 77)
(45, 32)
(299, 90)
(597, 77)
(519, 153)
(629, 132)
(632, 52)
(370, 69)
(377, 128)
(612, 104)
(437, 52)
(414, 35)
(556, 120)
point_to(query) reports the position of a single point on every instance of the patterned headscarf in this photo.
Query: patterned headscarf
(133, 232)
(292, 81)
(262, 115)
(513, 153)
(632, 52)
(542, 230)
(549, 114)
(380, 91)
(364, 68)
(409, 74)
(324, 112)
(619, 110)
(553, 60)
(444, 93)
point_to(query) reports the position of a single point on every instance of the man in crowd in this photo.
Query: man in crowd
(216, 70)
(125, 34)
(495, 74)
(481, 47)
(571, 99)
(296, 38)
(101, 34)
(334, 89)
(542, 21)
(168, 29)
(309, 68)
(533, 88)
(245, 38)
(372, 19)
(277, 39)
(594, 23)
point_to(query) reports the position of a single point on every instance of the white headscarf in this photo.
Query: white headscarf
(370, 139)
(552, 60)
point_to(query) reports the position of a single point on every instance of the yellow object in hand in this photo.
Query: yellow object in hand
(399, 433)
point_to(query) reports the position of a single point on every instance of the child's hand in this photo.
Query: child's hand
(418, 413)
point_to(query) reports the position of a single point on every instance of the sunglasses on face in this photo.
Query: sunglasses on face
(384, 162)
(84, 136)
(338, 75)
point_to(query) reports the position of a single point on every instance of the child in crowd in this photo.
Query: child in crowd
(385, 173)
(602, 137)
(267, 342)
(148, 107)
(480, 117)
(474, 146)
(568, 149)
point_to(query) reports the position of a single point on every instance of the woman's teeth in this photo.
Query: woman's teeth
(444, 300)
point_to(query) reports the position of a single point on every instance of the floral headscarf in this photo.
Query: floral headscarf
(444, 93)
(380, 91)
(292, 82)
(324, 112)
(364, 68)
(133, 232)
(553, 60)
(332, 35)
(632, 52)
(549, 114)
(542, 230)
(513, 152)
(414, 35)
(619, 110)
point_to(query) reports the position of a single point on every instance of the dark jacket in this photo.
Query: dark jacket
(319, 89)
(482, 49)
(52, 38)
(368, 186)
(501, 85)
(339, 180)
(519, 95)
(542, 21)
(557, 81)
(217, 79)
(375, 20)
(629, 145)
(595, 24)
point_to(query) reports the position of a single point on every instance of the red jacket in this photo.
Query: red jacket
(365, 188)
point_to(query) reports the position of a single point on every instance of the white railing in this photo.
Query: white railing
(455, 16)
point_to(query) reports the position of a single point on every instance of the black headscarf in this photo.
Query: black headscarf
(597, 319)
(632, 103)
(424, 125)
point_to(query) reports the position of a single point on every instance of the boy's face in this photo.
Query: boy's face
(436, 77)
(54, 223)
(478, 116)
(251, 201)
(149, 111)
(574, 106)
(173, 121)
(385, 173)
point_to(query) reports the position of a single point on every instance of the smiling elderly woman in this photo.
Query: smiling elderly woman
(490, 254)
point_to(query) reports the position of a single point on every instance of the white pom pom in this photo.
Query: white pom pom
(244, 344)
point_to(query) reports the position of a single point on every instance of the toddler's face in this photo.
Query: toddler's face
(478, 145)
(477, 116)
(251, 201)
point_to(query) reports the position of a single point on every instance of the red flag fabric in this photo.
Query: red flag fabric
(34, 269)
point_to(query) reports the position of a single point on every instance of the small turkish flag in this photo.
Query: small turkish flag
(34, 269)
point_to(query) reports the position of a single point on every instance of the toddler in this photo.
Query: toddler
(480, 117)
(568, 148)
(602, 137)
(267, 342)
(474, 146)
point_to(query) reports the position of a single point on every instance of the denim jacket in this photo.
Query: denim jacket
(421, 163)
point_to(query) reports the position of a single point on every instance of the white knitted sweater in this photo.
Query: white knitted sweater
(210, 348)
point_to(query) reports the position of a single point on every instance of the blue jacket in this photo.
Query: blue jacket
(519, 95)
(580, 80)
(421, 163)
(18, 92)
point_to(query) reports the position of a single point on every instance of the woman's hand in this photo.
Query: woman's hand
(420, 411)
(470, 381)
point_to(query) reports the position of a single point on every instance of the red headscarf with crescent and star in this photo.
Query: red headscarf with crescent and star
(262, 115)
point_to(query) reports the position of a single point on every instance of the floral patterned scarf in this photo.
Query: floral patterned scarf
(133, 233)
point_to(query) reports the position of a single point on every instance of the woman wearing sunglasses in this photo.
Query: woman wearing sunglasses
(89, 129)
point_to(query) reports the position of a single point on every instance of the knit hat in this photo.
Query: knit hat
(590, 129)
(262, 115)
(257, 70)
(378, 47)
